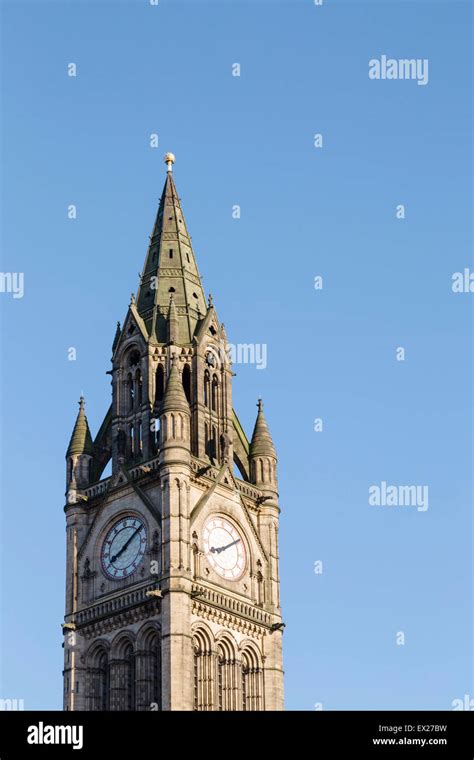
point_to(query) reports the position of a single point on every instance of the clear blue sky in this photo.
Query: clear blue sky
(305, 212)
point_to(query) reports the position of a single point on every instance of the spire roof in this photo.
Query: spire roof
(170, 267)
(81, 439)
(261, 443)
(175, 398)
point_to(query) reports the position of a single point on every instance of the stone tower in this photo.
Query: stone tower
(172, 576)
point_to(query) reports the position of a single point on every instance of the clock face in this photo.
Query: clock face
(211, 359)
(224, 548)
(123, 547)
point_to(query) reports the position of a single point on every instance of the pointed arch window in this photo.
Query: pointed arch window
(129, 678)
(159, 383)
(139, 438)
(138, 387)
(252, 681)
(214, 395)
(207, 381)
(220, 682)
(149, 679)
(99, 680)
(103, 682)
(214, 443)
(186, 378)
(155, 433)
(203, 672)
(130, 392)
(227, 681)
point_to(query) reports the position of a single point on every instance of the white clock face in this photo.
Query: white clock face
(224, 548)
(123, 547)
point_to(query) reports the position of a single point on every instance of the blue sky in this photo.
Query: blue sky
(305, 212)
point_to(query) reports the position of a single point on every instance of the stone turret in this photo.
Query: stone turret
(175, 414)
(80, 453)
(262, 455)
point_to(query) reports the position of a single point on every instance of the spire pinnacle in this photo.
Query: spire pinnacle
(169, 160)
(118, 332)
(81, 439)
(170, 266)
(174, 399)
(261, 443)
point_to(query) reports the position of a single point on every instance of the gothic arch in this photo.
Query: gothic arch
(227, 673)
(202, 643)
(215, 394)
(96, 648)
(131, 355)
(251, 677)
(227, 644)
(98, 676)
(186, 380)
(123, 672)
(147, 630)
(148, 667)
(121, 640)
(138, 388)
(159, 383)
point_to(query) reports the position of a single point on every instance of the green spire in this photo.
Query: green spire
(81, 439)
(261, 443)
(175, 398)
(170, 267)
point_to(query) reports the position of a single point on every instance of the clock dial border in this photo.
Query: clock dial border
(137, 523)
(221, 524)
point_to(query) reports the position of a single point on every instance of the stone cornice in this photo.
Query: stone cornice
(230, 612)
(117, 612)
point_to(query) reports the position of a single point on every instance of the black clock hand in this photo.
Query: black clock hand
(220, 549)
(126, 544)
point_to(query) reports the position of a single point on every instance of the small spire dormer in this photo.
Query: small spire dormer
(175, 414)
(173, 325)
(80, 452)
(262, 455)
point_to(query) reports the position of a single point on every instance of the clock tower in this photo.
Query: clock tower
(172, 570)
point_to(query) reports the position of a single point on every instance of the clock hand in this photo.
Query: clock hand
(126, 545)
(220, 549)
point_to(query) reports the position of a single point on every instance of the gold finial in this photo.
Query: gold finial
(169, 160)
